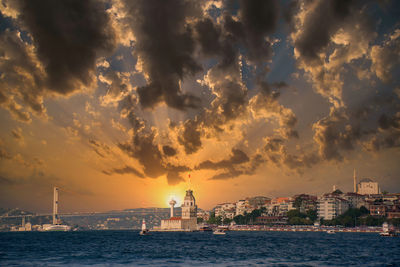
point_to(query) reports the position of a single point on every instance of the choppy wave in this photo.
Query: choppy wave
(127, 248)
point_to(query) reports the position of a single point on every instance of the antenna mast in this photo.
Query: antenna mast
(355, 181)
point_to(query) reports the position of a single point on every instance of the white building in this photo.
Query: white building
(368, 187)
(330, 206)
(241, 207)
(188, 221)
(225, 210)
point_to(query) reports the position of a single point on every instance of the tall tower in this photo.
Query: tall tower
(355, 181)
(172, 204)
(189, 208)
(55, 206)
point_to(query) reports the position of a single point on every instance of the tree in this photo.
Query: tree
(227, 221)
(312, 215)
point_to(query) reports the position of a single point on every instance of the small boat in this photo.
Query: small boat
(205, 229)
(219, 232)
(331, 231)
(144, 230)
(386, 231)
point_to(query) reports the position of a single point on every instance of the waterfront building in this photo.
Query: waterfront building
(368, 187)
(330, 206)
(258, 201)
(355, 200)
(271, 220)
(305, 202)
(242, 206)
(188, 221)
(225, 210)
(205, 215)
(284, 207)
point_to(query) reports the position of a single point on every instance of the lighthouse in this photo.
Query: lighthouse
(172, 204)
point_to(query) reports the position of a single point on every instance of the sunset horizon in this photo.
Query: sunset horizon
(117, 102)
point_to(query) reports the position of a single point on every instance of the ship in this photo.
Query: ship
(387, 231)
(56, 227)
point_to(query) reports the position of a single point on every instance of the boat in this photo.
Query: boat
(144, 230)
(205, 229)
(330, 231)
(219, 232)
(386, 231)
(55, 227)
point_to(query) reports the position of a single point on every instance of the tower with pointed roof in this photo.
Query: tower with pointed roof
(189, 207)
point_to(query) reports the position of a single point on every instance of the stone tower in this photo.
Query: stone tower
(189, 208)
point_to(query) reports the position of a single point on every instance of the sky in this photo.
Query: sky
(118, 102)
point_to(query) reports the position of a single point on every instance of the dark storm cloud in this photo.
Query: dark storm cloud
(246, 167)
(174, 178)
(259, 18)
(237, 157)
(169, 151)
(318, 28)
(165, 44)
(208, 36)
(174, 174)
(388, 135)
(69, 36)
(289, 11)
(191, 137)
(143, 148)
(124, 170)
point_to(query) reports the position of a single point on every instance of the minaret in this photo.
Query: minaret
(354, 181)
(55, 206)
(172, 204)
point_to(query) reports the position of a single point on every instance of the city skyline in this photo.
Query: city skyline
(118, 102)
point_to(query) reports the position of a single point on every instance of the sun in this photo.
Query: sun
(175, 197)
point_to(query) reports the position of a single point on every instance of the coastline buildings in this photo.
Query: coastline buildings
(331, 205)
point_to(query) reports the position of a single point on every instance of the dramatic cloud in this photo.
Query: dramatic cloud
(217, 87)
(55, 51)
(124, 170)
(169, 151)
(190, 138)
(165, 45)
(329, 34)
(237, 157)
(386, 56)
(258, 19)
(69, 36)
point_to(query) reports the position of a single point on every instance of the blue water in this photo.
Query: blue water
(128, 248)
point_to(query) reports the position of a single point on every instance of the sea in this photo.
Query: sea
(128, 248)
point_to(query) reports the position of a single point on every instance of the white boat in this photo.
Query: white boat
(219, 232)
(55, 227)
(144, 230)
(386, 231)
(331, 231)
